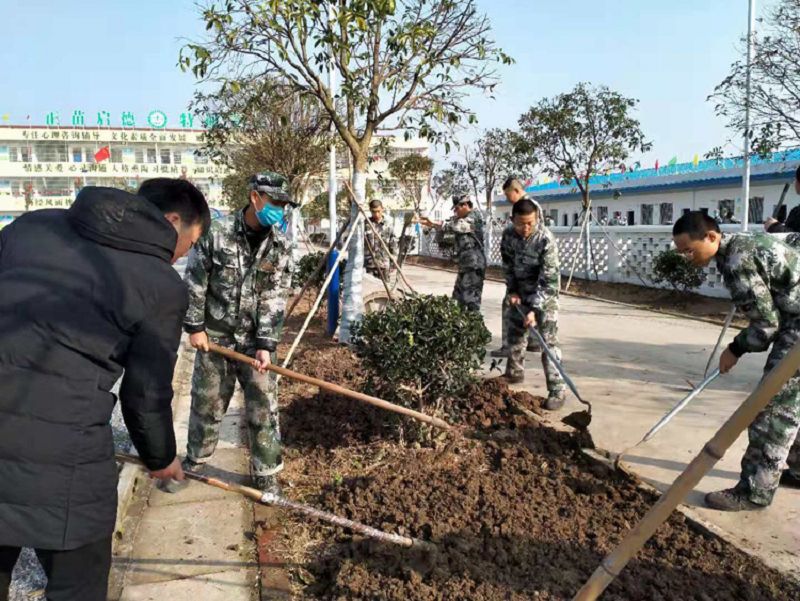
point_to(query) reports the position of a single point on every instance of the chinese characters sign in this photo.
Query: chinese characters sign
(156, 119)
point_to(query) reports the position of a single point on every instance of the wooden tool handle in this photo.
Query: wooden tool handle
(335, 388)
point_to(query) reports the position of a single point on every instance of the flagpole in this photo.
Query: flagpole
(746, 176)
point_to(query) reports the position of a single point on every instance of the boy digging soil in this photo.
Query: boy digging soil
(533, 275)
(763, 277)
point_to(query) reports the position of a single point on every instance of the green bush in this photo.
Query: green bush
(305, 268)
(421, 352)
(669, 266)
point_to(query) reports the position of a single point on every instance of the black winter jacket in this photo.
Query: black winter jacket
(84, 293)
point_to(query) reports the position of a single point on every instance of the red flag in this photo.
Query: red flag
(102, 155)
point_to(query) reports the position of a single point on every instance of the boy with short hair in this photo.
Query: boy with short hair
(533, 277)
(763, 277)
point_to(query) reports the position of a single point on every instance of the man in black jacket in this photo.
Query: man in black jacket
(86, 293)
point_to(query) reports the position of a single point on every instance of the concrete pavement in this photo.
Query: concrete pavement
(633, 364)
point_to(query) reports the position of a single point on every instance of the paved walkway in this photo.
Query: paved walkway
(632, 365)
(198, 543)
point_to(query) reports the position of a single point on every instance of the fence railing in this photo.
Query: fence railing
(620, 254)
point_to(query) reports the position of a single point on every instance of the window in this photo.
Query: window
(138, 155)
(25, 152)
(51, 152)
(200, 159)
(647, 214)
(166, 156)
(566, 220)
(574, 219)
(686, 211)
(554, 216)
(704, 211)
(88, 153)
(13, 155)
(151, 155)
(631, 217)
(602, 214)
(756, 211)
(665, 213)
(177, 157)
(116, 155)
(77, 155)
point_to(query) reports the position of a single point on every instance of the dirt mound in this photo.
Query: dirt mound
(525, 518)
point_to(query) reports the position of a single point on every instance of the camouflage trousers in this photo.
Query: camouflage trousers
(469, 288)
(773, 435)
(547, 326)
(213, 383)
(507, 310)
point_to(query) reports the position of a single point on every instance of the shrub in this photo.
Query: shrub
(669, 266)
(422, 351)
(305, 268)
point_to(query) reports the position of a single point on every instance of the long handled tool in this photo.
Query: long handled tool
(581, 419)
(268, 498)
(712, 452)
(669, 415)
(335, 388)
(727, 323)
(778, 206)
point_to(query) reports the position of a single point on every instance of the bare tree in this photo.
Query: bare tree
(405, 65)
(775, 82)
(264, 125)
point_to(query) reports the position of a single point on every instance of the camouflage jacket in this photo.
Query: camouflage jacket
(371, 241)
(468, 232)
(236, 294)
(531, 267)
(763, 276)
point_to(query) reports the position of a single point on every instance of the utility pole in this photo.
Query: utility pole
(751, 17)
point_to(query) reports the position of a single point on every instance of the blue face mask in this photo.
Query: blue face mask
(269, 215)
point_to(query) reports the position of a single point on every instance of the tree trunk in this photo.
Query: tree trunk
(353, 301)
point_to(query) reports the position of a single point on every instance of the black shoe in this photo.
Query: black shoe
(555, 401)
(501, 352)
(533, 347)
(730, 500)
(514, 379)
(789, 480)
(268, 484)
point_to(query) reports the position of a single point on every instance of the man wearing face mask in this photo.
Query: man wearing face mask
(239, 277)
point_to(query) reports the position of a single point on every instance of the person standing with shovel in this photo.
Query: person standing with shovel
(533, 277)
(239, 277)
(762, 275)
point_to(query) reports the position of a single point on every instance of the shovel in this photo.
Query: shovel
(268, 498)
(670, 414)
(579, 419)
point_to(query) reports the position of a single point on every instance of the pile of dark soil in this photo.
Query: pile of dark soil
(516, 510)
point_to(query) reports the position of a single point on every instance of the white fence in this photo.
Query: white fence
(621, 254)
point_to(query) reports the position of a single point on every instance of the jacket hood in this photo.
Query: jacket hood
(122, 220)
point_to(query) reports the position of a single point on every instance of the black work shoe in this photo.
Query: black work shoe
(789, 480)
(268, 484)
(501, 352)
(730, 500)
(533, 347)
(514, 379)
(555, 401)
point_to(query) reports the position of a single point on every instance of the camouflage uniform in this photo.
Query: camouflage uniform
(469, 255)
(381, 262)
(763, 277)
(238, 296)
(533, 272)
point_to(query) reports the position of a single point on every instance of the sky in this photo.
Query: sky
(121, 56)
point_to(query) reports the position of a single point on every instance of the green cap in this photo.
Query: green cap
(273, 185)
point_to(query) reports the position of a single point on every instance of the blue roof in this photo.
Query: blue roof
(708, 173)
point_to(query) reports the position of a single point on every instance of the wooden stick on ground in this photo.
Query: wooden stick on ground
(713, 451)
(335, 388)
(267, 498)
(381, 240)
